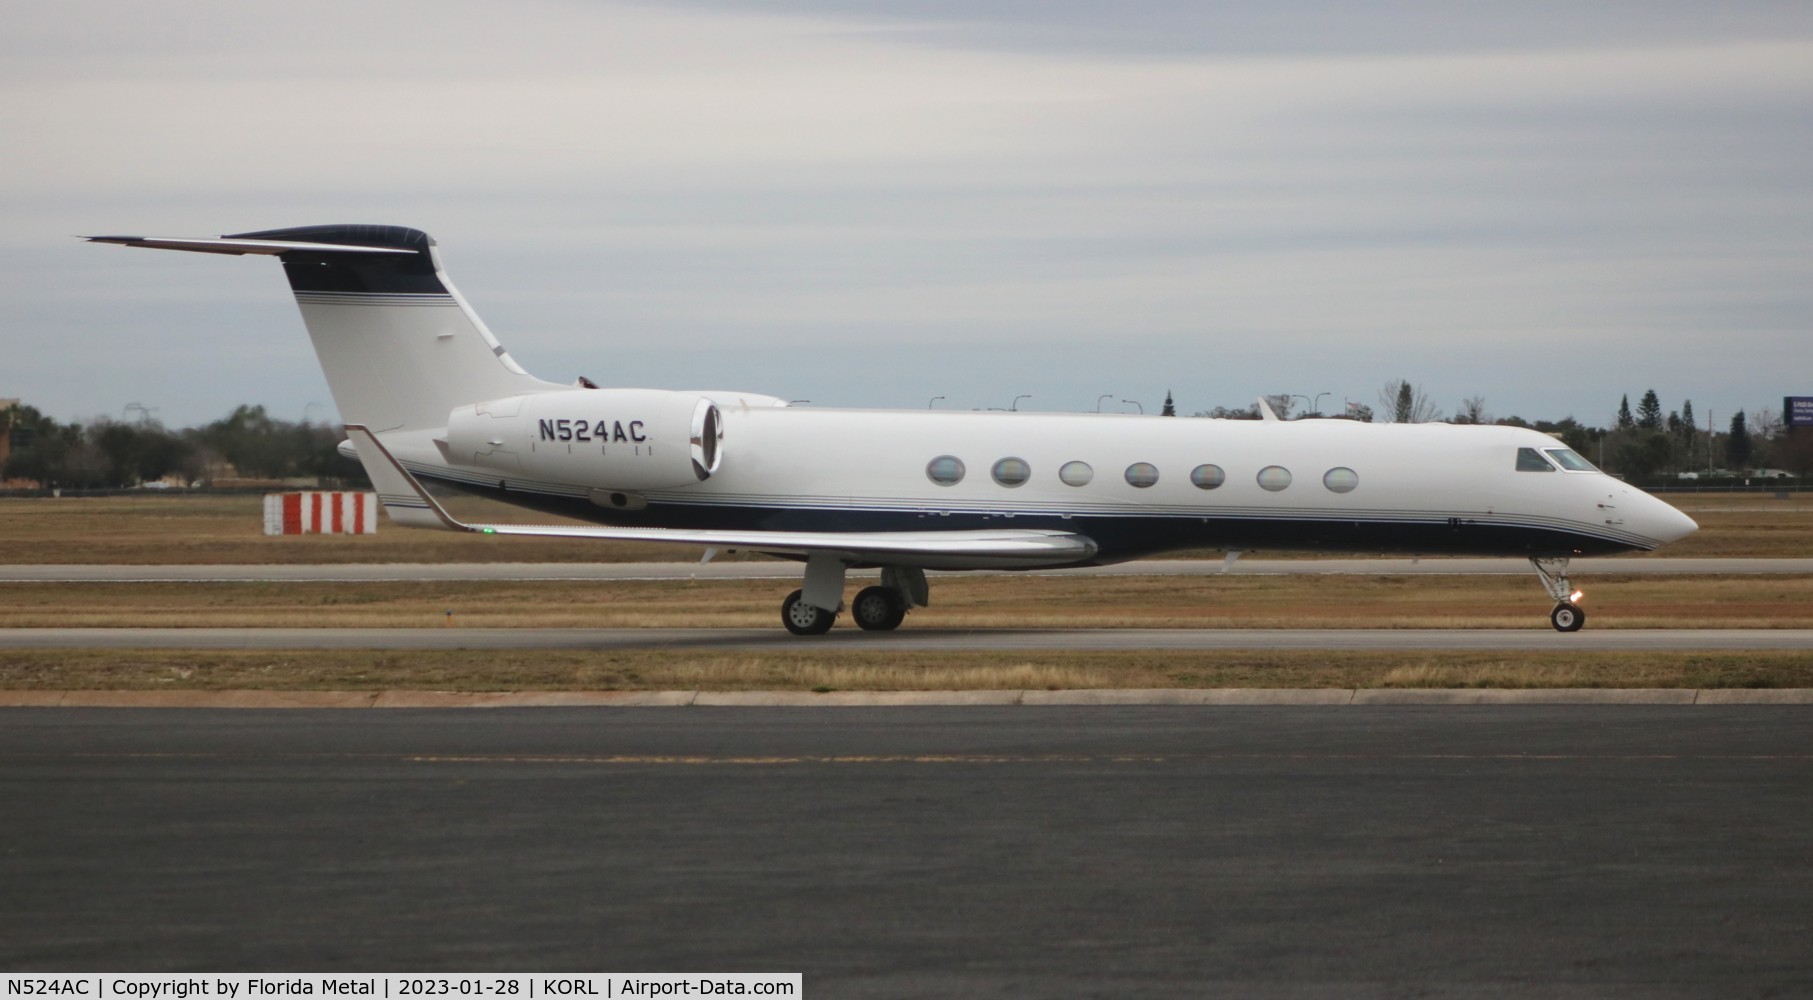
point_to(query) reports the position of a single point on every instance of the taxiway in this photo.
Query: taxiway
(1024, 851)
(849, 638)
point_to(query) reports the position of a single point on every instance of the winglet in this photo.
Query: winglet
(403, 496)
(1265, 410)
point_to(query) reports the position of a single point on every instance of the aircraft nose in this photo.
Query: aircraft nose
(1664, 523)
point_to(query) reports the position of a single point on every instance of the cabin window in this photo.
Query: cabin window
(1274, 478)
(1531, 460)
(1142, 474)
(1076, 473)
(1567, 459)
(1207, 477)
(945, 470)
(1011, 472)
(1341, 480)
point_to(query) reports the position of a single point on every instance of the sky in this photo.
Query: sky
(863, 203)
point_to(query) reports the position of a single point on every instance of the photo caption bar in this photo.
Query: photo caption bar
(384, 986)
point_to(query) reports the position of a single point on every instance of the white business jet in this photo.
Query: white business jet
(430, 398)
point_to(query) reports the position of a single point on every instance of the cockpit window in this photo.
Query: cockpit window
(1570, 461)
(1531, 460)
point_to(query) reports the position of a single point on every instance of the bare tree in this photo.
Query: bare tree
(1473, 411)
(1250, 412)
(1793, 450)
(1403, 403)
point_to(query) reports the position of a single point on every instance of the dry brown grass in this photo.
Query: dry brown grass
(663, 670)
(1025, 601)
(160, 528)
(180, 528)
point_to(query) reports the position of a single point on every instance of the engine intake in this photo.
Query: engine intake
(612, 439)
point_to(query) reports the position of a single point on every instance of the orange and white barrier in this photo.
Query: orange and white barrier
(321, 513)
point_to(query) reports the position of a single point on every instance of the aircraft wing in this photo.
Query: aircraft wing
(408, 502)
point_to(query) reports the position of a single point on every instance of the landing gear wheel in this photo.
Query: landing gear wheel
(1567, 617)
(878, 609)
(804, 619)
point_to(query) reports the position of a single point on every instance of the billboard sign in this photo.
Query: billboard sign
(1797, 411)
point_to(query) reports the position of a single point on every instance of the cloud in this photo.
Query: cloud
(865, 205)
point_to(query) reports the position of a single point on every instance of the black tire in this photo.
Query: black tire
(804, 619)
(1567, 618)
(878, 609)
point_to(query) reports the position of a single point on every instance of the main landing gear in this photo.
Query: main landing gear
(813, 609)
(878, 609)
(804, 619)
(1567, 616)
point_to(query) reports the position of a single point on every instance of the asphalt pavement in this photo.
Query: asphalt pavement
(1644, 851)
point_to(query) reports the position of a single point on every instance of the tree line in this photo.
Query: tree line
(1641, 444)
(247, 444)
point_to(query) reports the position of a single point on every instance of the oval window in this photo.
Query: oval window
(1011, 471)
(1341, 480)
(945, 470)
(1274, 478)
(1207, 477)
(1142, 474)
(1076, 473)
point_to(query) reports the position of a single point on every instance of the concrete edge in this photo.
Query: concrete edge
(529, 699)
(1525, 696)
(1756, 696)
(854, 699)
(828, 699)
(193, 699)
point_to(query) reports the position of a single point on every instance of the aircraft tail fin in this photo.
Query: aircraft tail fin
(399, 345)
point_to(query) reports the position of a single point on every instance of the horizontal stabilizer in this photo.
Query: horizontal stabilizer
(408, 502)
(237, 245)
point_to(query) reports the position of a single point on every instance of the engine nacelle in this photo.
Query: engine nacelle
(611, 439)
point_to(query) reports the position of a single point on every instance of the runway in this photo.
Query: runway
(1283, 852)
(907, 639)
(774, 570)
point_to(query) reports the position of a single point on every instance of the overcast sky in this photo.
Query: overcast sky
(875, 203)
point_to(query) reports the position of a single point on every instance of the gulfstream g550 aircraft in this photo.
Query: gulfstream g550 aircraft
(430, 397)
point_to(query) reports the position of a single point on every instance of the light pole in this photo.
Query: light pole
(1318, 405)
(934, 400)
(1306, 399)
(1016, 403)
(1135, 402)
(1098, 400)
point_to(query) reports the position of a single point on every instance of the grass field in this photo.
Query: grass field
(159, 529)
(561, 670)
(1021, 601)
(174, 528)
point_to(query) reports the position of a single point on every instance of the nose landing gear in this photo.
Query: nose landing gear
(1567, 616)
